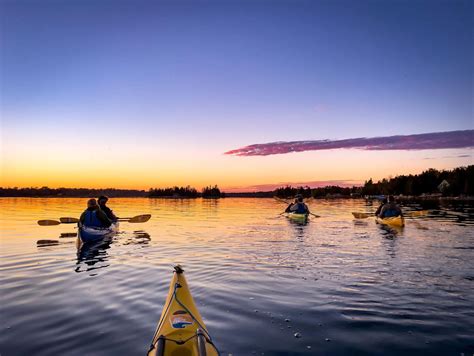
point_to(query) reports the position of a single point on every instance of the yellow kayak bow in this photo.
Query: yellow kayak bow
(397, 221)
(181, 330)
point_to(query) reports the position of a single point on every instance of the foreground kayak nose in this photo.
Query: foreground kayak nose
(181, 330)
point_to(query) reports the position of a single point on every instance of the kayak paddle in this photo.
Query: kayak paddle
(415, 213)
(55, 222)
(281, 200)
(361, 215)
(48, 222)
(68, 220)
(137, 219)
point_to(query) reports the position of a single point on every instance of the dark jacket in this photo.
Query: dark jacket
(299, 208)
(390, 210)
(110, 214)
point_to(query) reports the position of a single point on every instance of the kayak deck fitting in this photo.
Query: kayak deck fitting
(181, 330)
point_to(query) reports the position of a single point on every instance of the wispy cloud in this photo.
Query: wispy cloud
(427, 141)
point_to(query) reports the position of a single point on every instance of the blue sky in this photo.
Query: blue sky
(213, 76)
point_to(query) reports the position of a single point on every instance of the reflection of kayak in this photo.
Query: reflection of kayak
(394, 221)
(90, 234)
(297, 217)
(181, 330)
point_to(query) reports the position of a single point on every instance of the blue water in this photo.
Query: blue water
(346, 286)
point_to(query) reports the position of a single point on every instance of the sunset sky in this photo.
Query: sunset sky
(140, 94)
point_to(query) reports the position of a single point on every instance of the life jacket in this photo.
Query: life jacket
(91, 219)
(301, 208)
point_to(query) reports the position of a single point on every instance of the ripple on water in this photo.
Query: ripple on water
(344, 286)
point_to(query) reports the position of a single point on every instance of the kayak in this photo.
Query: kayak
(297, 217)
(90, 233)
(181, 330)
(397, 221)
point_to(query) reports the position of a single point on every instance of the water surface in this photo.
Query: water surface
(346, 286)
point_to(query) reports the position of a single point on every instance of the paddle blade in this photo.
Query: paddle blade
(69, 220)
(140, 218)
(47, 242)
(48, 222)
(68, 234)
(360, 215)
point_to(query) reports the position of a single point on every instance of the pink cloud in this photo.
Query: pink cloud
(428, 141)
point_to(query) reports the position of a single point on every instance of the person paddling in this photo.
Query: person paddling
(102, 204)
(298, 206)
(94, 216)
(390, 209)
(379, 209)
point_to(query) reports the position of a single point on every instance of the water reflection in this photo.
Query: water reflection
(91, 253)
(139, 237)
(390, 232)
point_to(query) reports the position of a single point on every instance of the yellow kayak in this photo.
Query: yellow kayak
(397, 221)
(297, 217)
(181, 331)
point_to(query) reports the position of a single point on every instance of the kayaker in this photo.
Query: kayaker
(298, 206)
(110, 214)
(390, 209)
(379, 209)
(94, 216)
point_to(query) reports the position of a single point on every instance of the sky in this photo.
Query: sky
(140, 94)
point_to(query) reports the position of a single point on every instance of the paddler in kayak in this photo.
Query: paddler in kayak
(93, 216)
(390, 209)
(298, 206)
(379, 209)
(102, 204)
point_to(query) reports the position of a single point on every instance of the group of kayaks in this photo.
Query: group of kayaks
(181, 330)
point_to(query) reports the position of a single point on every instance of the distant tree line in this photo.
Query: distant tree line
(173, 192)
(212, 192)
(320, 192)
(459, 181)
(69, 192)
(185, 192)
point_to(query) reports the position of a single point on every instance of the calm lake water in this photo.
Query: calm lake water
(347, 286)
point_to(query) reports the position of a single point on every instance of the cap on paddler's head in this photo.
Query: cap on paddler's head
(391, 199)
(91, 203)
(103, 198)
(299, 197)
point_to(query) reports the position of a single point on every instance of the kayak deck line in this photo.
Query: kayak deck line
(180, 322)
